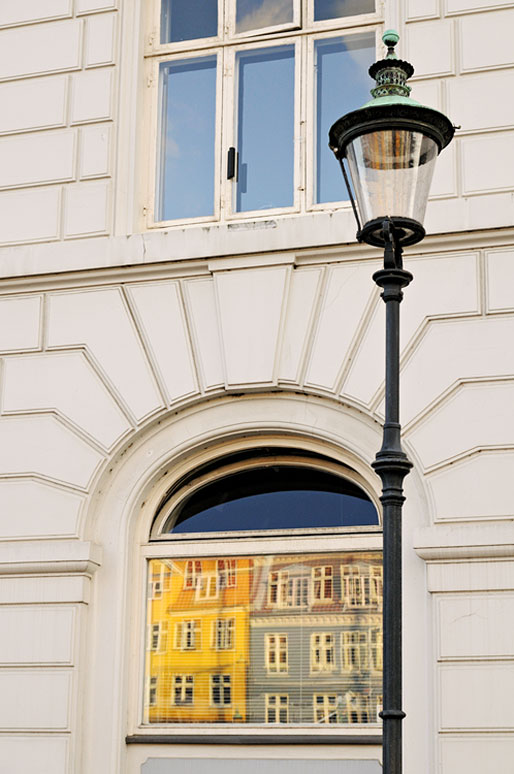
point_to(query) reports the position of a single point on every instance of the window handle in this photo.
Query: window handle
(232, 164)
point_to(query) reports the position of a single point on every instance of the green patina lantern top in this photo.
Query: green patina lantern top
(391, 107)
(391, 75)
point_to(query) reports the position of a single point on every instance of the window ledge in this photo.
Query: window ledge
(255, 739)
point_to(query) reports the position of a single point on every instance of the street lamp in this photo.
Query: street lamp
(391, 145)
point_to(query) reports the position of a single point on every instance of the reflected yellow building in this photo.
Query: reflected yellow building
(197, 650)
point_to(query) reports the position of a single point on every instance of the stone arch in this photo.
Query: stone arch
(130, 489)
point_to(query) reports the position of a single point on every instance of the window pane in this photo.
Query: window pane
(295, 659)
(333, 9)
(342, 84)
(265, 128)
(275, 497)
(258, 14)
(188, 19)
(188, 89)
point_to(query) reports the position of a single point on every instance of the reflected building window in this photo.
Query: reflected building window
(183, 689)
(192, 573)
(221, 690)
(354, 651)
(325, 707)
(188, 635)
(223, 633)
(322, 582)
(277, 708)
(276, 653)
(322, 652)
(152, 691)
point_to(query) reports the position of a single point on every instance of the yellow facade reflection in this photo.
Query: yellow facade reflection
(197, 653)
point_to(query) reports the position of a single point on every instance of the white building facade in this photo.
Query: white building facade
(145, 335)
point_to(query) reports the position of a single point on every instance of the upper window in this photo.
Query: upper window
(245, 92)
(270, 578)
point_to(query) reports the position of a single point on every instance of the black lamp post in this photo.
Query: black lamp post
(391, 145)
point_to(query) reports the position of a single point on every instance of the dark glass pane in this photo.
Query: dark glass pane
(342, 84)
(188, 19)
(258, 14)
(275, 497)
(334, 9)
(265, 128)
(188, 89)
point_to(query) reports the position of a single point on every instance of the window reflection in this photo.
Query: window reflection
(273, 497)
(261, 14)
(275, 639)
(265, 121)
(186, 186)
(334, 9)
(188, 20)
(335, 96)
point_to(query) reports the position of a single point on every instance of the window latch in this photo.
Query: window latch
(232, 164)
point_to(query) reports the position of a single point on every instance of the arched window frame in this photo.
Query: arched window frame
(288, 542)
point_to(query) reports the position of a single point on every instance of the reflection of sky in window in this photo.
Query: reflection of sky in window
(265, 128)
(258, 14)
(342, 84)
(188, 19)
(282, 510)
(187, 162)
(333, 9)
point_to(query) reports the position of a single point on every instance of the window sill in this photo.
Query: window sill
(254, 739)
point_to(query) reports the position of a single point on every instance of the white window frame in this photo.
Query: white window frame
(323, 664)
(230, 127)
(188, 634)
(290, 590)
(194, 575)
(376, 657)
(185, 682)
(355, 650)
(356, 587)
(358, 704)
(207, 587)
(320, 576)
(276, 643)
(376, 585)
(152, 691)
(224, 680)
(225, 45)
(159, 582)
(325, 710)
(155, 119)
(157, 636)
(227, 576)
(223, 633)
(273, 703)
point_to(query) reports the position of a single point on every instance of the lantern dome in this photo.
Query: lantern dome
(391, 144)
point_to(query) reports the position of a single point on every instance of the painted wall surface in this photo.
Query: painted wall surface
(124, 348)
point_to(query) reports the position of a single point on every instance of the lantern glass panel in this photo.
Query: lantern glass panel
(391, 172)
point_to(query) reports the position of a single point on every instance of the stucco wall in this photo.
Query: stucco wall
(108, 335)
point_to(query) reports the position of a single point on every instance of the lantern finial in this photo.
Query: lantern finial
(391, 73)
(390, 38)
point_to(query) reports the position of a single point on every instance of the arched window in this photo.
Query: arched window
(264, 600)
